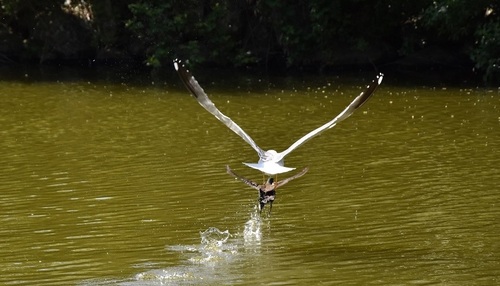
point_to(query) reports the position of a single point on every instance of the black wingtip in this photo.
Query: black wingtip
(370, 89)
(181, 69)
(177, 63)
(185, 75)
(380, 77)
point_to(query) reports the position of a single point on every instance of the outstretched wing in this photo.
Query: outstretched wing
(298, 175)
(244, 180)
(200, 95)
(355, 104)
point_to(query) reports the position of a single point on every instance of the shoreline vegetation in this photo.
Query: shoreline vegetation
(456, 37)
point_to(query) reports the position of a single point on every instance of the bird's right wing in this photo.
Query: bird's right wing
(200, 95)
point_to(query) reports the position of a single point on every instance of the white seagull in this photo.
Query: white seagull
(270, 162)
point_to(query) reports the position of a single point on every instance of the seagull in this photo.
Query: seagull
(270, 162)
(267, 191)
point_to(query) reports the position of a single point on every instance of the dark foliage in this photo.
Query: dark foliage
(443, 34)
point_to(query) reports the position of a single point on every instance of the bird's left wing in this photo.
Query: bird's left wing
(244, 180)
(200, 95)
(355, 104)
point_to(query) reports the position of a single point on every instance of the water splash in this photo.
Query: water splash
(253, 233)
(208, 261)
(214, 237)
(214, 247)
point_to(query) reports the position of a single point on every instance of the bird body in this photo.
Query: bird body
(269, 164)
(267, 190)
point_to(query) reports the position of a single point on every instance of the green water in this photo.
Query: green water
(110, 183)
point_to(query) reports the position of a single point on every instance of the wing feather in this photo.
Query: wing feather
(298, 175)
(244, 180)
(348, 111)
(200, 95)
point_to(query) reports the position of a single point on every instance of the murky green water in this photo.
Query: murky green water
(103, 183)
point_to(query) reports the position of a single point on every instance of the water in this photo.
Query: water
(111, 183)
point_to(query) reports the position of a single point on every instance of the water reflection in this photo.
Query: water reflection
(102, 183)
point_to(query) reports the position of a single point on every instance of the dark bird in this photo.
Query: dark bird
(267, 191)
